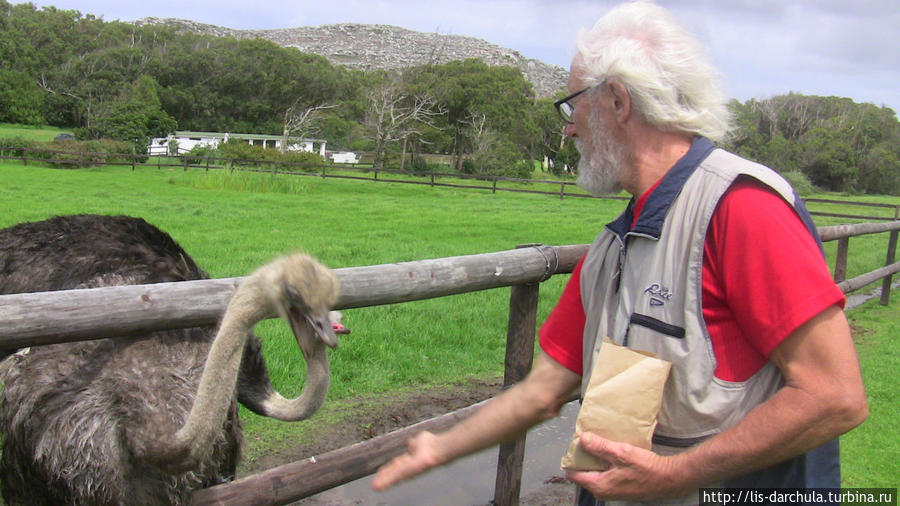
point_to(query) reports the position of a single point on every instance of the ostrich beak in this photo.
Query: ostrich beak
(319, 323)
(337, 318)
(324, 331)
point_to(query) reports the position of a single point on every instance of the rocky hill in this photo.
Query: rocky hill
(368, 47)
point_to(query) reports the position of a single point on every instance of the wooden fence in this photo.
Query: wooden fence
(447, 180)
(51, 317)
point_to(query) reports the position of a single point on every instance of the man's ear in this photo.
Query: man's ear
(621, 101)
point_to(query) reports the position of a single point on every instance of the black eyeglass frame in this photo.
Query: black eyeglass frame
(567, 116)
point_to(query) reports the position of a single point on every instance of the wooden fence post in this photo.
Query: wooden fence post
(523, 304)
(840, 261)
(886, 282)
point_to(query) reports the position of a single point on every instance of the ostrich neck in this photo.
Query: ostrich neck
(193, 441)
(217, 384)
(314, 390)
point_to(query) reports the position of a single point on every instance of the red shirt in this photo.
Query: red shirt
(763, 277)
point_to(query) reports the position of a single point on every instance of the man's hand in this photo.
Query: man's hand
(536, 398)
(420, 457)
(634, 473)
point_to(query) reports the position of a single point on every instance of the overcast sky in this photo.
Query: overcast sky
(763, 47)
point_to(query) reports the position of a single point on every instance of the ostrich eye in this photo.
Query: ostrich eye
(295, 298)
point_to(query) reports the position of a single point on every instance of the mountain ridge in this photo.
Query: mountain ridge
(378, 46)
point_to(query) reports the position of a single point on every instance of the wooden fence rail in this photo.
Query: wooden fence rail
(842, 234)
(51, 317)
(28, 319)
(481, 182)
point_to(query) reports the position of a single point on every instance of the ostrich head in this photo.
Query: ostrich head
(302, 291)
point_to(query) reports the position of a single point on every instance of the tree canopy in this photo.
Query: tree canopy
(837, 144)
(126, 82)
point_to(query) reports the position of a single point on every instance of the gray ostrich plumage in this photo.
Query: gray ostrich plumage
(144, 420)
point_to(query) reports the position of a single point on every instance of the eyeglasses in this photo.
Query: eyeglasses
(566, 108)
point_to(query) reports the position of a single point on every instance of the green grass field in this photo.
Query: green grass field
(34, 133)
(231, 224)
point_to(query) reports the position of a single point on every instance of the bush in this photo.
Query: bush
(236, 149)
(20, 143)
(199, 153)
(257, 156)
(468, 166)
(73, 153)
(419, 164)
(499, 158)
(302, 158)
(801, 183)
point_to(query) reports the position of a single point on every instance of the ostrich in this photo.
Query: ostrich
(144, 420)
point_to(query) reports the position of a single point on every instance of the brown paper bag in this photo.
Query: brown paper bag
(621, 403)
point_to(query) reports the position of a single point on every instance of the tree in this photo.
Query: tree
(395, 114)
(471, 87)
(828, 159)
(302, 122)
(21, 101)
(550, 137)
(135, 116)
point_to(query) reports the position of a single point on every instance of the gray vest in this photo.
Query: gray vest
(642, 288)
(650, 299)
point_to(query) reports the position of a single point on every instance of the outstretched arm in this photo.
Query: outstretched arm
(822, 398)
(536, 398)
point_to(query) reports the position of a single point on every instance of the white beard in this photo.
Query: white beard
(600, 170)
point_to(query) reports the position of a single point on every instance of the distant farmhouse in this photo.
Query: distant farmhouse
(186, 141)
(182, 142)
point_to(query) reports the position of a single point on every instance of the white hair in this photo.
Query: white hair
(666, 71)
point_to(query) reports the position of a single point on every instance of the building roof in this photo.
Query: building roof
(219, 135)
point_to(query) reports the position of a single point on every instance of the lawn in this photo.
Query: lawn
(232, 223)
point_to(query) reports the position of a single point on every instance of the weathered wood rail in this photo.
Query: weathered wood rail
(30, 319)
(51, 317)
(842, 234)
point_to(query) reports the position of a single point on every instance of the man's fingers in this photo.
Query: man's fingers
(387, 476)
(395, 471)
(417, 460)
(599, 446)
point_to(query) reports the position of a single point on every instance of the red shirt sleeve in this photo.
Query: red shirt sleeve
(763, 277)
(561, 334)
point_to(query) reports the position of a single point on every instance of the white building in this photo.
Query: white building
(344, 157)
(186, 141)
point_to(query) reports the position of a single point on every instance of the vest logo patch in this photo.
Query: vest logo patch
(659, 294)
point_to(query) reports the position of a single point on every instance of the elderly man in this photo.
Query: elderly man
(765, 375)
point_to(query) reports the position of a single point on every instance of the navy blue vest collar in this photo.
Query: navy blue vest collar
(654, 213)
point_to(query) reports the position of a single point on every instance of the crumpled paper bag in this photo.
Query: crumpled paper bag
(621, 403)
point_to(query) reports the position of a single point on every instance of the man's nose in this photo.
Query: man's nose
(570, 130)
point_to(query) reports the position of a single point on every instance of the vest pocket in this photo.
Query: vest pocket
(657, 325)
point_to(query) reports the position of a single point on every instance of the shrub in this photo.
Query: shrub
(801, 183)
(199, 153)
(420, 164)
(302, 158)
(18, 142)
(256, 156)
